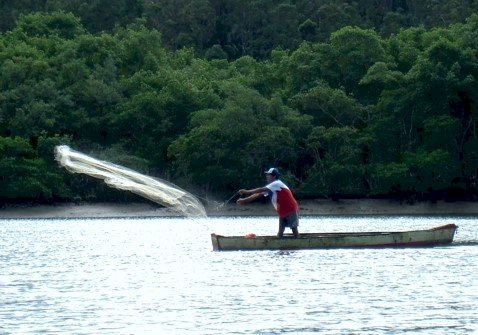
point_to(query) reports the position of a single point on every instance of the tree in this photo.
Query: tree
(352, 52)
(308, 30)
(235, 142)
(393, 22)
(330, 107)
(61, 24)
(23, 175)
(30, 92)
(12, 10)
(334, 16)
(100, 15)
(338, 165)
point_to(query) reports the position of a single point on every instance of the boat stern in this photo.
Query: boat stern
(215, 243)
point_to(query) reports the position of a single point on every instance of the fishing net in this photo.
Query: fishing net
(154, 189)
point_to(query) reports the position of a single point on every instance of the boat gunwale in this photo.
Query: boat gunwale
(330, 234)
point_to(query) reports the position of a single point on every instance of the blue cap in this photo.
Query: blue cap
(273, 171)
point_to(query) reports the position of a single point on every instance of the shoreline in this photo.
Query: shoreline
(320, 207)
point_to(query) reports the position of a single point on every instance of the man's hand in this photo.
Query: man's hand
(240, 201)
(243, 192)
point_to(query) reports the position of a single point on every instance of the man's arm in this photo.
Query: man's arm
(254, 191)
(254, 194)
(250, 198)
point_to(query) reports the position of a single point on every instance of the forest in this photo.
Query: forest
(348, 99)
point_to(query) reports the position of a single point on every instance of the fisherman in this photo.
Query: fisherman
(282, 199)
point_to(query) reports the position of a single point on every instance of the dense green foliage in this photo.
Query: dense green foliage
(235, 28)
(342, 111)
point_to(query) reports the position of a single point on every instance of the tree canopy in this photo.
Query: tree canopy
(211, 97)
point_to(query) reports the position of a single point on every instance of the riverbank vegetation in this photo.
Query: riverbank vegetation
(347, 99)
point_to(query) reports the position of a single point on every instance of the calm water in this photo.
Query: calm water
(160, 276)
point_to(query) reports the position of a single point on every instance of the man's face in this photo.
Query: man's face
(270, 178)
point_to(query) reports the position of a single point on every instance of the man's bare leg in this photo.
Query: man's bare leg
(280, 233)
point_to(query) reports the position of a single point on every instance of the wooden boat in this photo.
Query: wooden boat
(417, 238)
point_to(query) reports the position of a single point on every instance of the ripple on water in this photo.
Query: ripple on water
(149, 276)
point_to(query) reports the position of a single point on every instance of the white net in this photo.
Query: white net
(116, 176)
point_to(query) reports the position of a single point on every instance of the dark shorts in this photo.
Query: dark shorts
(291, 221)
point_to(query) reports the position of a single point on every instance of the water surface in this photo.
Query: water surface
(160, 275)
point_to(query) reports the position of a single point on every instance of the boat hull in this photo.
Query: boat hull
(417, 238)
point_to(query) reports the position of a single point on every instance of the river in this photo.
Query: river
(160, 276)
